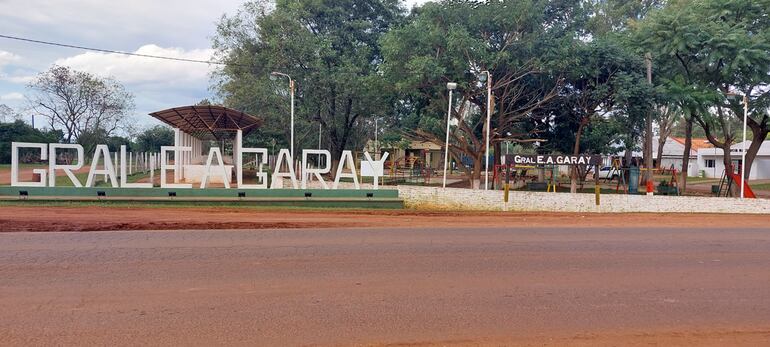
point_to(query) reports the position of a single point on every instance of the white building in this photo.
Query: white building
(673, 149)
(711, 160)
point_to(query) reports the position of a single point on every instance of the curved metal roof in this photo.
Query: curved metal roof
(208, 122)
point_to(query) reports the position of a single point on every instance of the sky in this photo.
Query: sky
(173, 28)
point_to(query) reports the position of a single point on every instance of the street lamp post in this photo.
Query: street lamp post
(451, 86)
(743, 150)
(487, 76)
(291, 93)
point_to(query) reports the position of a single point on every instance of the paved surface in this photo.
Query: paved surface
(529, 286)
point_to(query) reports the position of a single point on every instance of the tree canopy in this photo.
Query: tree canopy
(77, 102)
(567, 75)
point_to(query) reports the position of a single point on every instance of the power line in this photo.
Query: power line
(112, 51)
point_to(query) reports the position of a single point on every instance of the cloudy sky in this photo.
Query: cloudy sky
(174, 28)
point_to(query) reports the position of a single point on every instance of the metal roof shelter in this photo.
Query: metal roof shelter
(208, 122)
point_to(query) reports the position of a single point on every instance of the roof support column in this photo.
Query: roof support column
(177, 161)
(237, 158)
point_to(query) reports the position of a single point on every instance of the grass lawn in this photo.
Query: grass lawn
(64, 180)
(763, 186)
(36, 166)
(691, 179)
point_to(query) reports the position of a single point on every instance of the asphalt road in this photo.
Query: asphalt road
(582, 287)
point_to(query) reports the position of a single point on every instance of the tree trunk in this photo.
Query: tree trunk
(661, 143)
(498, 153)
(758, 136)
(728, 162)
(476, 178)
(686, 154)
(629, 159)
(576, 151)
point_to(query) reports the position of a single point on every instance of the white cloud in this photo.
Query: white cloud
(23, 79)
(7, 58)
(146, 71)
(12, 96)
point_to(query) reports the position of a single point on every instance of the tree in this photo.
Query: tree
(151, 139)
(715, 47)
(604, 81)
(78, 102)
(7, 114)
(19, 131)
(330, 48)
(667, 116)
(610, 16)
(454, 41)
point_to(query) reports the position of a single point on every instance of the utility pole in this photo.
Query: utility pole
(648, 127)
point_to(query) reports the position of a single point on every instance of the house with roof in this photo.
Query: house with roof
(711, 160)
(673, 150)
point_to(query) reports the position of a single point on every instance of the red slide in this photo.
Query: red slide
(747, 191)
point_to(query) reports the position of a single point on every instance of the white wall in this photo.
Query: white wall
(760, 169)
(429, 198)
(712, 172)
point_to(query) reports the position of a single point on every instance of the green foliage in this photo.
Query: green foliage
(569, 72)
(78, 102)
(707, 48)
(19, 131)
(151, 139)
(331, 50)
(605, 98)
(610, 16)
(519, 42)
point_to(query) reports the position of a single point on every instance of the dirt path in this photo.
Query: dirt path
(89, 218)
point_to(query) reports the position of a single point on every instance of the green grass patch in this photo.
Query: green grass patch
(691, 179)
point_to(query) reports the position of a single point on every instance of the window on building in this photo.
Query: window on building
(710, 163)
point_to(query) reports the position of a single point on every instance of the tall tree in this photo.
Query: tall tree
(19, 131)
(329, 47)
(667, 117)
(151, 139)
(716, 47)
(78, 102)
(605, 83)
(455, 41)
(608, 16)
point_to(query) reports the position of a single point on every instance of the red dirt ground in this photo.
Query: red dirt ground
(90, 218)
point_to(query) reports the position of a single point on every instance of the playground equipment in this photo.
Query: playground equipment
(730, 177)
(629, 178)
(512, 173)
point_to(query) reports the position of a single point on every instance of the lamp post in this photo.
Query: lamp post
(451, 86)
(291, 92)
(486, 76)
(743, 150)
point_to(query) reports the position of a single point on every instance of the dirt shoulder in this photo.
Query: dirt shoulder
(91, 218)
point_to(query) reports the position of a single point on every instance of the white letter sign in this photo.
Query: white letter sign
(15, 164)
